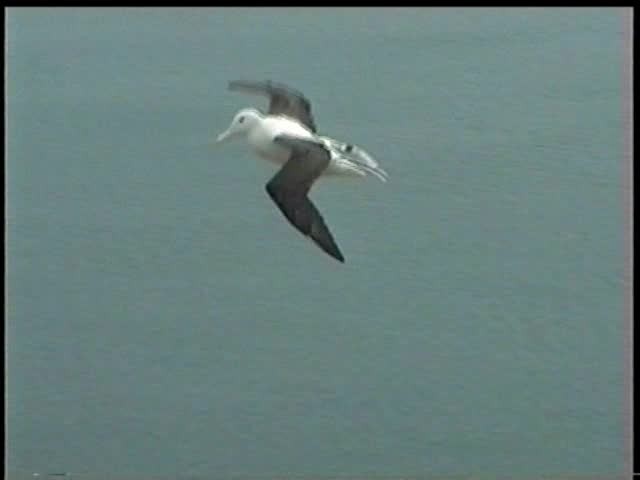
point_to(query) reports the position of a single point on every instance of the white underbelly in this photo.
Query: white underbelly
(261, 139)
(278, 157)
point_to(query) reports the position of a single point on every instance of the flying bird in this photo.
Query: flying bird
(287, 136)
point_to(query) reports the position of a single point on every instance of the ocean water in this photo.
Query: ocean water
(164, 320)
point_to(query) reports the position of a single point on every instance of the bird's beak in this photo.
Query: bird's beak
(223, 136)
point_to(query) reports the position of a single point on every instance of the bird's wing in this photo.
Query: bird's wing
(284, 100)
(290, 186)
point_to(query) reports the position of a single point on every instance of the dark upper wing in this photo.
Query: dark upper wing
(284, 100)
(289, 188)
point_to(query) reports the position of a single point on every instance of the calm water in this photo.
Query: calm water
(164, 319)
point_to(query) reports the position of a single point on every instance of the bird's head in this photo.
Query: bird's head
(241, 124)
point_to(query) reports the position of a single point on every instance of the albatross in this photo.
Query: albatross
(287, 136)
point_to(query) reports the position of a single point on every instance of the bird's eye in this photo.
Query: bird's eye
(241, 119)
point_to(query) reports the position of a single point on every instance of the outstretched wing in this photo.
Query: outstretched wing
(284, 100)
(290, 186)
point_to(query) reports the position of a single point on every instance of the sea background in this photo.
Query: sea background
(164, 320)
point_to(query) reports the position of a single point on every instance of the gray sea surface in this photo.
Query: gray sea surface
(164, 320)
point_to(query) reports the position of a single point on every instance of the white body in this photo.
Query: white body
(346, 160)
(261, 137)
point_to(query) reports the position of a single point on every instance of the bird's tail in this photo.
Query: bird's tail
(375, 171)
(358, 157)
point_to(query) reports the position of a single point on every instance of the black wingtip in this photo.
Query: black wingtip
(337, 254)
(329, 246)
(233, 84)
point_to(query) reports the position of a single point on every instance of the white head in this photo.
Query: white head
(241, 124)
